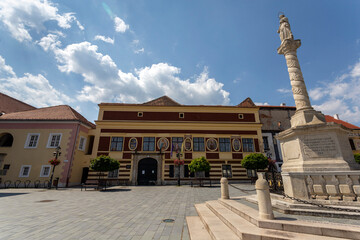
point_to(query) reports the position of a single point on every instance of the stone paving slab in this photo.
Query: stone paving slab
(119, 213)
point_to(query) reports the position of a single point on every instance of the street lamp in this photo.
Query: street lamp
(54, 162)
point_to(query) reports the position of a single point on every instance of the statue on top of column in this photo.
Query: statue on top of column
(284, 29)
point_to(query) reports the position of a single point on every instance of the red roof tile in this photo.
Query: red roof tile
(10, 105)
(345, 124)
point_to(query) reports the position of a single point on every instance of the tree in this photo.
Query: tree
(255, 161)
(357, 157)
(199, 164)
(104, 164)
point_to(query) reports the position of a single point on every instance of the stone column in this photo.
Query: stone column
(224, 188)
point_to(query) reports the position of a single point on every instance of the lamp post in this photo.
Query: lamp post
(54, 162)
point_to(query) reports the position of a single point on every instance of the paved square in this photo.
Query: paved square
(120, 213)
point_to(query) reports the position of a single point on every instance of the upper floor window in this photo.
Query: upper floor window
(224, 144)
(32, 140)
(6, 140)
(82, 143)
(248, 144)
(266, 143)
(198, 145)
(45, 171)
(25, 171)
(177, 142)
(116, 143)
(54, 140)
(149, 144)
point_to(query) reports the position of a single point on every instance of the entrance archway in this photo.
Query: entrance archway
(147, 171)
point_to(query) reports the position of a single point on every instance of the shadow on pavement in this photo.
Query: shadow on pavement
(10, 194)
(116, 190)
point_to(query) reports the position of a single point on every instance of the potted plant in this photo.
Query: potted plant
(253, 162)
(199, 166)
(104, 164)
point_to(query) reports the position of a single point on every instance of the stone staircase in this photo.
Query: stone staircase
(229, 219)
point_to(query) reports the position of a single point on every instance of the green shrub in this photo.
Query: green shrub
(199, 164)
(255, 161)
(357, 157)
(104, 164)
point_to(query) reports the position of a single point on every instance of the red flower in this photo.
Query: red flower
(178, 162)
(54, 162)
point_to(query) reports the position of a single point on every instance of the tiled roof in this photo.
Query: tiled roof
(247, 103)
(162, 101)
(55, 113)
(345, 124)
(10, 105)
(282, 107)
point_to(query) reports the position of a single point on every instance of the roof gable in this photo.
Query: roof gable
(162, 101)
(246, 103)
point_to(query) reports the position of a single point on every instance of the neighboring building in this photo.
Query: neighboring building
(10, 105)
(274, 119)
(29, 138)
(144, 136)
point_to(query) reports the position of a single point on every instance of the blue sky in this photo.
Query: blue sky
(82, 53)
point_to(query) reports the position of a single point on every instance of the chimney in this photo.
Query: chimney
(336, 116)
(282, 104)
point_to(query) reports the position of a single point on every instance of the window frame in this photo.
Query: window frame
(196, 145)
(117, 142)
(245, 149)
(225, 144)
(226, 170)
(50, 139)
(148, 144)
(176, 142)
(22, 170)
(42, 170)
(83, 145)
(111, 174)
(28, 139)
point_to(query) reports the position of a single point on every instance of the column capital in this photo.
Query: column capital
(289, 45)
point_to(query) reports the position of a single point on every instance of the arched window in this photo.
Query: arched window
(6, 140)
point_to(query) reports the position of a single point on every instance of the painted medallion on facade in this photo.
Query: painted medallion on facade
(236, 143)
(133, 144)
(163, 144)
(188, 144)
(212, 144)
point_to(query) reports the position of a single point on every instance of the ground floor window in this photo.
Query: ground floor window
(226, 170)
(25, 171)
(45, 171)
(113, 174)
(171, 171)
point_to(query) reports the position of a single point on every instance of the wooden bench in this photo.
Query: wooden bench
(94, 183)
(200, 181)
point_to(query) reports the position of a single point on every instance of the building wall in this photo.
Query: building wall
(164, 122)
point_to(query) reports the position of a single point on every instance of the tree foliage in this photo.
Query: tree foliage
(357, 157)
(255, 161)
(199, 164)
(104, 164)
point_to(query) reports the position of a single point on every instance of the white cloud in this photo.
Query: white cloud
(32, 89)
(261, 104)
(120, 25)
(135, 42)
(284, 90)
(20, 16)
(139, 51)
(105, 82)
(50, 42)
(340, 96)
(104, 39)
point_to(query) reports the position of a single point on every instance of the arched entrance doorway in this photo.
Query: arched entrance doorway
(147, 171)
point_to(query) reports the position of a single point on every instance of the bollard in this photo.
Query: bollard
(263, 196)
(224, 188)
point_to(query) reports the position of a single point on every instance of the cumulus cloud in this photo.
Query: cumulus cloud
(284, 90)
(33, 89)
(341, 96)
(120, 25)
(261, 103)
(51, 41)
(21, 16)
(105, 82)
(104, 39)
(139, 51)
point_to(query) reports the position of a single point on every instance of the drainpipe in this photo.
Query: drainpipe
(72, 154)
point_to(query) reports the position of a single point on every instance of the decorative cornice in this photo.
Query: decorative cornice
(289, 45)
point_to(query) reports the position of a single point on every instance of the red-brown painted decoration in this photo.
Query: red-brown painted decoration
(102, 153)
(174, 116)
(104, 144)
(237, 156)
(257, 148)
(127, 155)
(167, 156)
(188, 155)
(178, 131)
(210, 155)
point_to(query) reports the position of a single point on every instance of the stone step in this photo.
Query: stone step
(246, 230)
(197, 229)
(216, 228)
(315, 228)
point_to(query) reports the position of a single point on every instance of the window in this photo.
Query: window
(82, 143)
(226, 171)
(25, 171)
(6, 140)
(140, 114)
(171, 171)
(176, 143)
(186, 171)
(224, 144)
(149, 144)
(248, 145)
(113, 174)
(54, 140)
(32, 140)
(198, 144)
(352, 144)
(266, 143)
(45, 171)
(116, 144)
(241, 116)
(181, 115)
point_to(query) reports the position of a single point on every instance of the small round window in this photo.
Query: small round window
(163, 144)
(211, 144)
(188, 144)
(236, 144)
(133, 144)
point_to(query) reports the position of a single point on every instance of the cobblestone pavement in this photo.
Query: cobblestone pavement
(119, 213)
